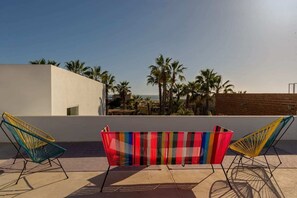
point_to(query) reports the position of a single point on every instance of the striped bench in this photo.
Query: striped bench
(165, 148)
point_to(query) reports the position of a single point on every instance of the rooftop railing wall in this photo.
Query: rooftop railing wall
(86, 128)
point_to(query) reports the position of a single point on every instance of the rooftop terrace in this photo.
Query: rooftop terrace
(85, 163)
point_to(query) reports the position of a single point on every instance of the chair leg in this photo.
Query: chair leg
(62, 168)
(25, 164)
(231, 163)
(280, 161)
(105, 178)
(268, 165)
(212, 168)
(226, 176)
(16, 156)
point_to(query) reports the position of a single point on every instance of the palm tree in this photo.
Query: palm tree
(44, 62)
(165, 75)
(77, 67)
(160, 74)
(194, 95)
(123, 89)
(178, 91)
(95, 73)
(219, 86)
(136, 100)
(176, 71)
(206, 79)
(109, 81)
(155, 79)
(148, 102)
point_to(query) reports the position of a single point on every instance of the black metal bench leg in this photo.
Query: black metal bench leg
(25, 164)
(226, 176)
(212, 168)
(105, 178)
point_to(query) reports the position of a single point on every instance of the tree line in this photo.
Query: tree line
(168, 76)
(176, 95)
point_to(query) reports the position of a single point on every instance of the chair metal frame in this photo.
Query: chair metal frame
(26, 126)
(273, 142)
(25, 156)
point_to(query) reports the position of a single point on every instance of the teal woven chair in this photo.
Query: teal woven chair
(36, 148)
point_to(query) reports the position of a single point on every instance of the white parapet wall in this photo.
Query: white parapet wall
(86, 128)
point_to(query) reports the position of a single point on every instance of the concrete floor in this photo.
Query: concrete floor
(86, 170)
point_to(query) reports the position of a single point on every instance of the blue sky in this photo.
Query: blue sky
(252, 43)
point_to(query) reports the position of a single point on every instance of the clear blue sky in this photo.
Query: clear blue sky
(252, 43)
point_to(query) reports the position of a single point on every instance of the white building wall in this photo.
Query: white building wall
(25, 89)
(71, 90)
(39, 90)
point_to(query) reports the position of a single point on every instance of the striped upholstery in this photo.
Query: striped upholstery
(156, 148)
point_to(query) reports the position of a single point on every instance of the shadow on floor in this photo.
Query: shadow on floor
(9, 188)
(247, 181)
(151, 189)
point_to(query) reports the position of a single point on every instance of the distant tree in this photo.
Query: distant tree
(194, 95)
(176, 70)
(178, 91)
(207, 79)
(77, 67)
(95, 73)
(148, 102)
(109, 81)
(123, 89)
(44, 62)
(160, 74)
(135, 101)
(224, 87)
(155, 79)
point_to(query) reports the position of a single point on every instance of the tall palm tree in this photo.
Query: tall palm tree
(77, 67)
(160, 74)
(165, 76)
(219, 86)
(109, 81)
(44, 62)
(176, 71)
(207, 79)
(155, 79)
(95, 73)
(123, 89)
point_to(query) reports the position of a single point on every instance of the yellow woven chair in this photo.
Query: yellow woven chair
(259, 142)
(29, 128)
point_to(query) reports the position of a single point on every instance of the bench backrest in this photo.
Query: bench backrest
(156, 148)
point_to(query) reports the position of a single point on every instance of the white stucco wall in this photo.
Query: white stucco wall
(25, 89)
(70, 90)
(86, 128)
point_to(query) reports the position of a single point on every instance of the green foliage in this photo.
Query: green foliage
(123, 89)
(42, 61)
